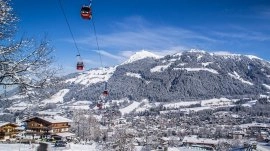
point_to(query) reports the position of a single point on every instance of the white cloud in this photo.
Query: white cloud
(242, 33)
(136, 33)
(109, 55)
(127, 53)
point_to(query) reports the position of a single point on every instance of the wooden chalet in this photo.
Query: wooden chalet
(8, 130)
(44, 126)
(193, 140)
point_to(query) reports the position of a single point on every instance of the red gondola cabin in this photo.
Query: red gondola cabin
(80, 66)
(105, 93)
(86, 12)
(99, 105)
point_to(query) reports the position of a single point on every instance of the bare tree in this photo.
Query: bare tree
(85, 125)
(92, 128)
(24, 63)
(77, 126)
(121, 140)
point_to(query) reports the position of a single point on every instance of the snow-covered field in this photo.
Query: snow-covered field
(93, 76)
(160, 68)
(58, 97)
(136, 75)
(129, 108)
(198, 69)
(180, 104)
(18, 147)
(72, 147)
(235, 75)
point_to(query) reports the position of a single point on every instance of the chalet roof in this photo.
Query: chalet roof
(6, 123)
(56, 119)
(53, 119)
(195, 139)
(3, 123)
(262, 125)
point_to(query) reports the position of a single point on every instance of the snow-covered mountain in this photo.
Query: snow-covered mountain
(141, 55)
(191, 75)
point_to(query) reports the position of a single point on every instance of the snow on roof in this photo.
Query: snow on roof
(56, 119)
(141, 55)
(255, 125)
(194, 139)
(4, 123)
(58, 97)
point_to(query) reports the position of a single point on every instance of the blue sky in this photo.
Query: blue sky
(163, 27)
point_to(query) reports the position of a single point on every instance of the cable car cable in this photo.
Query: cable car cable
(63, 11)
(105, 92)
(100, 58)
(90, 3)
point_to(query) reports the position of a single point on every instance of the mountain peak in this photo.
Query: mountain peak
(141, 55)
(197, 51)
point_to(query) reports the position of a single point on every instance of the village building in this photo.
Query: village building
(255, 127)
(8, 130)
(237, 134)
(48, 126)
(193, 140)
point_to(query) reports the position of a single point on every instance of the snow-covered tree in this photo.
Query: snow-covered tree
(122, 139)
(24, 63)
(85, 125)
(77, 126)
(92, 128)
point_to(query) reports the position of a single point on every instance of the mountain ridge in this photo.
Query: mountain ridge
(188, 75)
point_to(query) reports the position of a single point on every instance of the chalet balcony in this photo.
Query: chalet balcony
(49, 127)
(8, 133)
(38, 127)
(61, 126)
